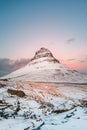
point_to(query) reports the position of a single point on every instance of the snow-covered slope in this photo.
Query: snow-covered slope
(45, 106)
(45, 68)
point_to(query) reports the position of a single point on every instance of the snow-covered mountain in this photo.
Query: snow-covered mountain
(44, 67)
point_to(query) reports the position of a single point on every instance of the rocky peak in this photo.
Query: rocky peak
(43, 52)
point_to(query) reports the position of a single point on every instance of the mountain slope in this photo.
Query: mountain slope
(44, 67)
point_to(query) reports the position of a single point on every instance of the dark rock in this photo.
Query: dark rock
(18, 93)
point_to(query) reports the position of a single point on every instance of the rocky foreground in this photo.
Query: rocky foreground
(41, 106)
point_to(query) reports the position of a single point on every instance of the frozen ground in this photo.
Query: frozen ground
(46, 106)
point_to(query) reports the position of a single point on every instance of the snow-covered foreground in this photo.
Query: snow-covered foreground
(45, 106)
(75, 119)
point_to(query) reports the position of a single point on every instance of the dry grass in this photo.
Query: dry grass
(39, 91)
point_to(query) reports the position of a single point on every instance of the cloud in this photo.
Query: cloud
(78, 60)
(71, 40)
(83, 59)
(7, 65)
(71, 59)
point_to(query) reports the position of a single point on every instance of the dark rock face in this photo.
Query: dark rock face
(43, 52)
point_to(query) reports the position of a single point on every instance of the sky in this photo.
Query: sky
(59, 25)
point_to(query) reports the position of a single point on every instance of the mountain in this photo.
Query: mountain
(44, 67)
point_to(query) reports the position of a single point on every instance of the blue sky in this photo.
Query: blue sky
(59, 25)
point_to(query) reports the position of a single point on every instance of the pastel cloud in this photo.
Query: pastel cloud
(79, 64)
(71, 40)
(8, 65)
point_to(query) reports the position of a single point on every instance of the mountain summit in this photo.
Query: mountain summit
(44, 67)
(44, 53)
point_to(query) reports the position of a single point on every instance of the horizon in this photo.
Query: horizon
(59, 25)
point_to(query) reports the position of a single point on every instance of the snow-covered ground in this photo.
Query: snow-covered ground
(46, 106)
(75, 119)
